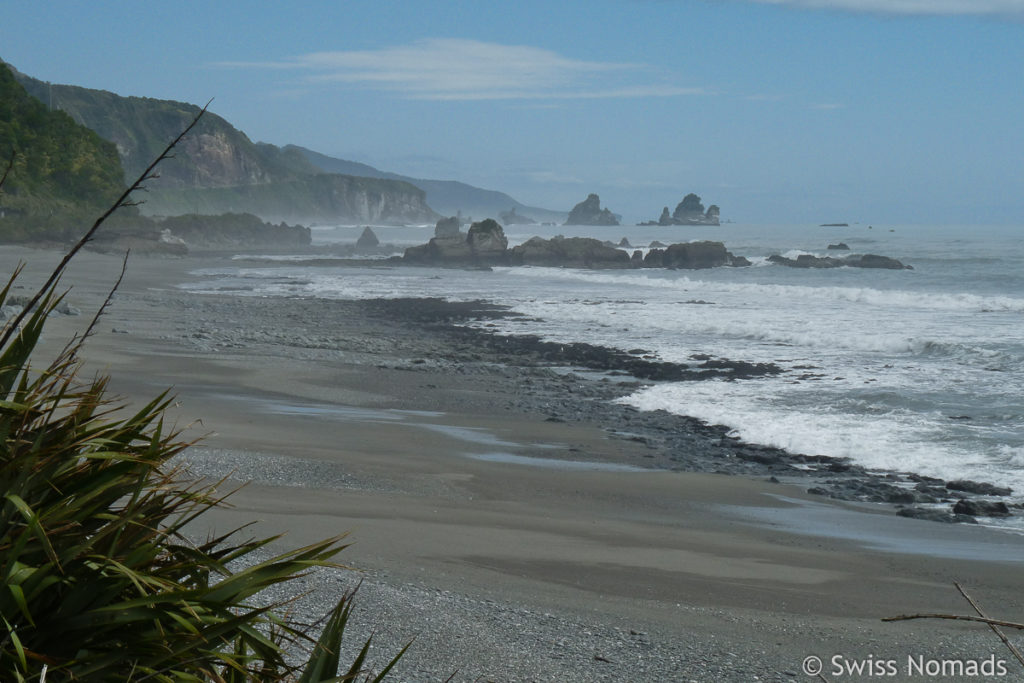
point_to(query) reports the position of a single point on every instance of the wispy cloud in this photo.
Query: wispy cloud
(827, 106)
(460, 69)
(932, 7)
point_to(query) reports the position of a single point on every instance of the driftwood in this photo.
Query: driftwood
(994, 624)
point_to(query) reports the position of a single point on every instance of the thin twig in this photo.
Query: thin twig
(958, 617)
(995, 629)
(59, 270)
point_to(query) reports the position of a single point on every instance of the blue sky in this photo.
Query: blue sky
(873, 111)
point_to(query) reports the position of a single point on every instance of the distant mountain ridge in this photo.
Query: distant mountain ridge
(218, 169)
(445, 196)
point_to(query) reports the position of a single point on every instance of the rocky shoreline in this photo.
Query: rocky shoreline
(580, 383)
(686, 443)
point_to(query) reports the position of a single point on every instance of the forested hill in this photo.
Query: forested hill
(59, 164)
(218, 169)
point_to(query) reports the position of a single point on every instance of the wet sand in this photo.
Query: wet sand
(515, 547)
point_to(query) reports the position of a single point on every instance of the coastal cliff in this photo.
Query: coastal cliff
(219, 169)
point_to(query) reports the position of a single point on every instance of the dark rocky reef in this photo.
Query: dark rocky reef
(854, 261)
(589, 212)
(842, 246)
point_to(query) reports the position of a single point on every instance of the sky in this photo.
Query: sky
(777, 111)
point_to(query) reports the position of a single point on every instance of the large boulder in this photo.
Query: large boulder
(692, 255)
(571, 252)
(589, 212)
(486, 239)
(875, 261)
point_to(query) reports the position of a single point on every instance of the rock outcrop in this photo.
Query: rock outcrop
(854, 261)
(589, 212)
(487, 240)
(693, 255)
(690, 211)
(367, 240)
(485, 244)
(571, 252)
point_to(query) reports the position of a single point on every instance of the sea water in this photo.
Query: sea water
(903, 370)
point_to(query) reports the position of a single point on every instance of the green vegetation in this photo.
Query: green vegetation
(100, 579)
(220, 170)
(141, 126)
(59, 163)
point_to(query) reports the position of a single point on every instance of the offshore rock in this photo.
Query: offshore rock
(368, 240)
(571, 252)
(589, 212)
(487, 239)
(484, 244)
(693, 255)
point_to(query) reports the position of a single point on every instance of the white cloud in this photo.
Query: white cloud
(934, 7)
(460, 69)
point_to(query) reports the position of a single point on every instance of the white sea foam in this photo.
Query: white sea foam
(890, 439)
(875, 362)
(883, 298)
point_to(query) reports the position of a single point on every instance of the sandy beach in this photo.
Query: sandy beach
(510, 527)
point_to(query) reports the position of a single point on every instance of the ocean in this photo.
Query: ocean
(899, 370)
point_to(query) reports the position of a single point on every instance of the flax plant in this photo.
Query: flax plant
(100, 580)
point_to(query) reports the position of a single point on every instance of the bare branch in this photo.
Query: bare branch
(995, 629)
(59, 270)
